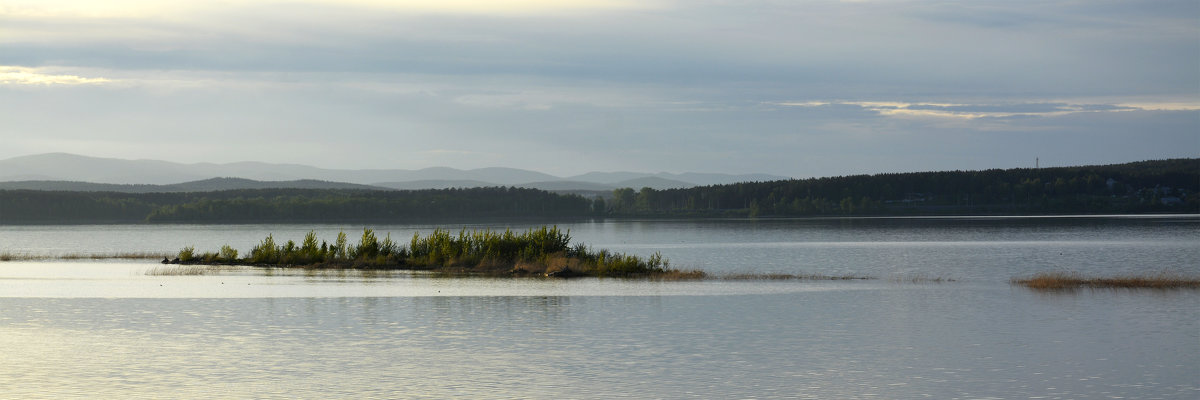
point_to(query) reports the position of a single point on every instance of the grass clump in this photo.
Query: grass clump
(8, 256)
(183, 270)
(919, 279)
(789, 277)
(1073, 280)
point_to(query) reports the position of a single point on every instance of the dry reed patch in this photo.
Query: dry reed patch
(7, 256)
(183, 270)
(1072, 280)
(785, 277)
(114, 256)
(680, 275)
(492, 264)
(527, 267)
(919, 279)
(556, 263)
(25, 257)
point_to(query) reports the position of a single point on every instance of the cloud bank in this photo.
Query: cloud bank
(810, 88)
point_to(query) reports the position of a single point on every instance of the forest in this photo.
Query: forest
(285, 205)
(1148, 186)
(1140, 187)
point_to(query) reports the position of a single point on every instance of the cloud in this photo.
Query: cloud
(813, 47)
(1162, 105)
(502, 7)
(443, 152)
(796, 88)
(158, 9)
(14, 75)
(998, 110)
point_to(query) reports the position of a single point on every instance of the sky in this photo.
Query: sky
(793, 88)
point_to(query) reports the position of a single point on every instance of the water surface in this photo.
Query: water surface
(107, 329)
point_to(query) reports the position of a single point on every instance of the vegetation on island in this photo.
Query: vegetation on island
(537, 252)
(1071, 281)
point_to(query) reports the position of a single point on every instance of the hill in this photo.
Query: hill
(285, 206)
(1140, 187)
(76, 168)
(206, 185)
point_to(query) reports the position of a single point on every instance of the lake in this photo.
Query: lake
(108, 329)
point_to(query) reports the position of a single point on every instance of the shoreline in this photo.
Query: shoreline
(665, 217)
(1042, 282)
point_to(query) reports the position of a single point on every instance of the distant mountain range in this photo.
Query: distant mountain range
(70, 172)
(206, 185)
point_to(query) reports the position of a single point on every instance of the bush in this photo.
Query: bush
(187, 254)
(227, 254)
(265, 253)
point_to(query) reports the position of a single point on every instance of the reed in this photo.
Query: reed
(918, 279)
(787, 277)
(1073, 280)
(183, 270)
(7, 256)
(682, 275)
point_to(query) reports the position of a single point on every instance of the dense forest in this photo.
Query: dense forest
(285, 205)
(1149, 186)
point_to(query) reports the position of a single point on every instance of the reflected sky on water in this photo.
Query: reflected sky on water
(84, 329)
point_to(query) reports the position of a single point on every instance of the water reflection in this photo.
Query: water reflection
(973, 248)
(897, 341)
(108, 330)
(129, 280)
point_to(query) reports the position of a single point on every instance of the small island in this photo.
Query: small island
(1065, 281)
(546, 252)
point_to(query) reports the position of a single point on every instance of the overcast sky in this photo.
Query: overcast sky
(794, 88)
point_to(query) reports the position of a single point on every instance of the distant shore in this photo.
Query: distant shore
(558, 265)
(1160, 186)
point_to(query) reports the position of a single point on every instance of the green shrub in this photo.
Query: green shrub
(266, 252)
(187, 254)
(227, 254)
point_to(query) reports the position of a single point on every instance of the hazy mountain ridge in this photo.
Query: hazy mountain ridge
(206, 185)
(76, 169)
(694, 178)
(1159, 186)
(434, 184)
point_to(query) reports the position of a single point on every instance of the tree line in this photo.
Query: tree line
(286, 205)
(1148, 186)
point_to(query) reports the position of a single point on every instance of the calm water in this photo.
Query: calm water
(107, 329)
